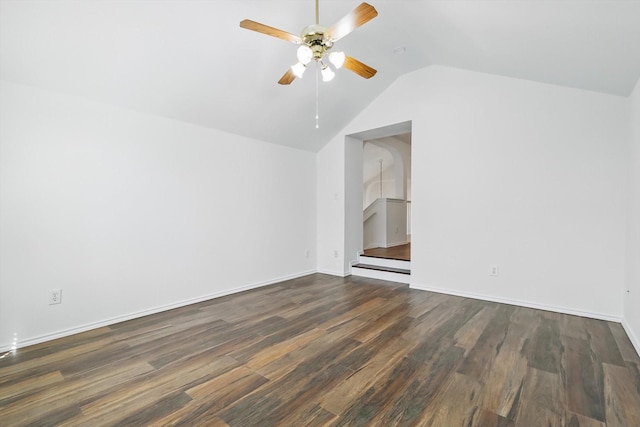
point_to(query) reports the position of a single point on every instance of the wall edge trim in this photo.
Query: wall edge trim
(334, 273)
(556, 309)
(632, 336)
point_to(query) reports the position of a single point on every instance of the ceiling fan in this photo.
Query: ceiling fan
(316, 42)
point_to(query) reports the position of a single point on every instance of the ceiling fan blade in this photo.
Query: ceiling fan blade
(287, 77)
(361, 69)
(270, 31)
(358, 17)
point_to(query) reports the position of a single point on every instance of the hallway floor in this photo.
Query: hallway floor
(402, 252)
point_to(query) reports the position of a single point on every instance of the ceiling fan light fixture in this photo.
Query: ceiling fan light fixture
(337, 59)
(298, 69)
(305, 54)
(316, 41)
(327, 73)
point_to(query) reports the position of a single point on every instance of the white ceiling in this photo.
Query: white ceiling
(190, 60)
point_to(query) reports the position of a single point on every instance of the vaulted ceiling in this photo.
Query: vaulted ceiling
(190, 60)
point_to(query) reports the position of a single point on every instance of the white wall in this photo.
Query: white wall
(354, 149)
(330, 187)
(130, 213)
(371, 190)
(396, 223)
(632, 296)
(524, 175)
(374, 228)
(386, 224)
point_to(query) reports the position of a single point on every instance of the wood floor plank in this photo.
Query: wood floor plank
(320, 350)
(457, 404)
(31, 384)
(585, 382)
(317, 351)
(577, 420)
(311, 415)
(543, 402)
(627, 351)
(372, 306)
(488, 344)
(573, 326)
(503, 382)
(440, 333)
(380, 398)
(50, 361)
(389, 336)
(157, 409)
(389, 317)
(401, 252)
(503, 379)
(487, 418)
(40, 405)
(191, 414)
(344, 394)
(87, 340)
(468, 335)
(424, 302)
(227, 388)
(138, 395)
(437, 318)
(621, 396)
(417, 401)
(545, 350)
(270, 404)
(282, 349)
(603, 343)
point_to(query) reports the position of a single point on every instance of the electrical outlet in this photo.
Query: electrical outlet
(55, 296)
(306, 253)
(335, 253)
(493, 270)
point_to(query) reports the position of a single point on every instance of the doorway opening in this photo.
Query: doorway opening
(378, 200)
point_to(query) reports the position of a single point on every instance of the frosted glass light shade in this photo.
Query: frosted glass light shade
(304, 54)
(298, 69)
(337, 58)
(327, 74)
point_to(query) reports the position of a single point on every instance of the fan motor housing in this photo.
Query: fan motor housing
(316, 37)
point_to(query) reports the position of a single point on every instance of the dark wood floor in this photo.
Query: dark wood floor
(321, 350)
(401, 252)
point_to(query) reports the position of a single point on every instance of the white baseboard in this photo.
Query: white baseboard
(94, 325)
(333, 273)
(563, 310)
(632, 336)
(373, 246)
(392, 245)
(5, 347)
(386, 245)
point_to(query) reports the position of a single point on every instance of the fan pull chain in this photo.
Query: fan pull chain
(317, 71)
(317, 91)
